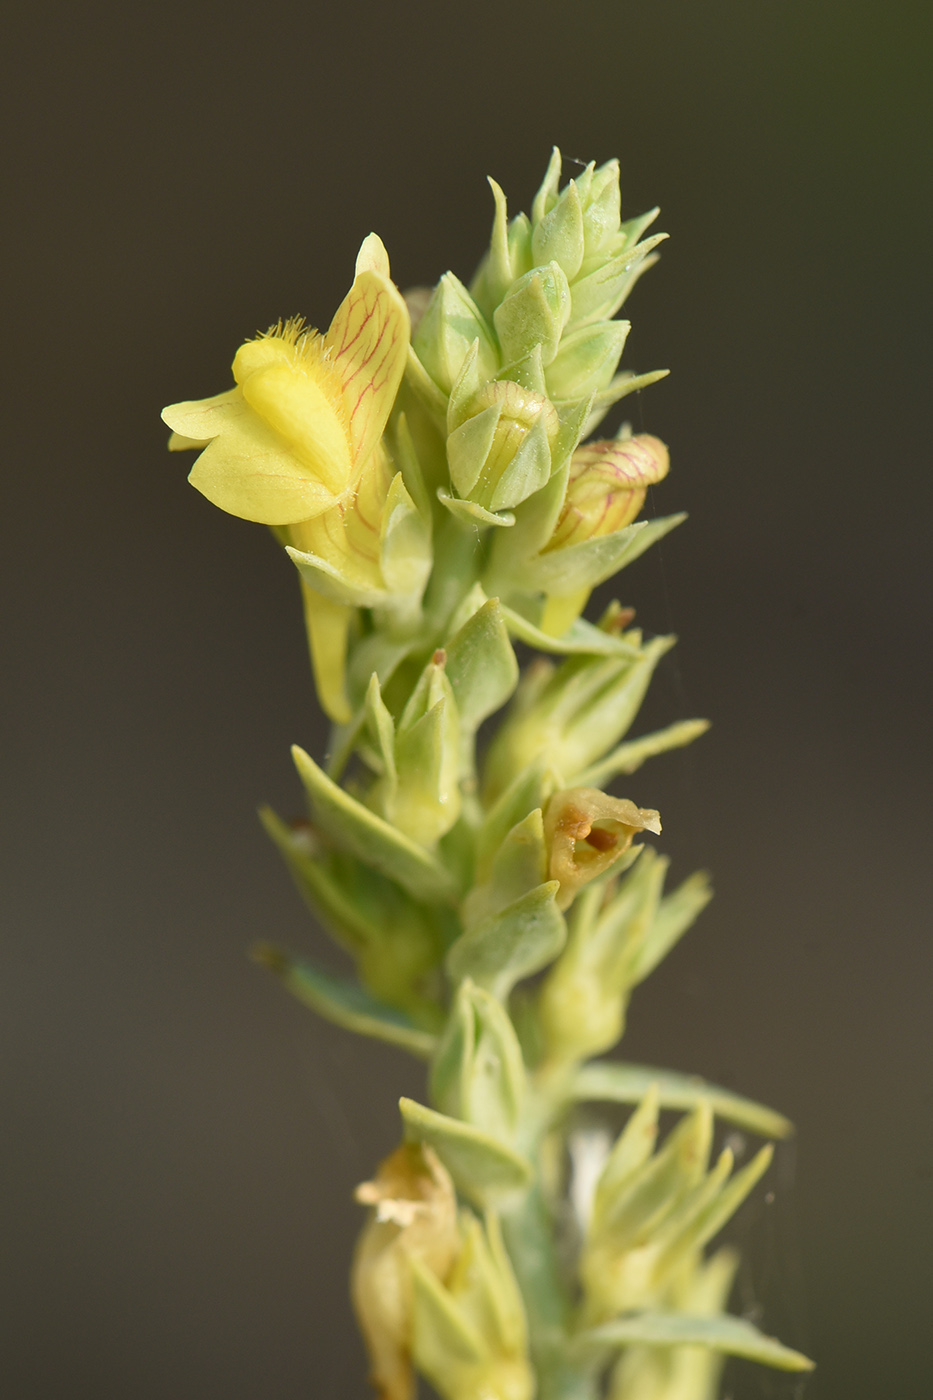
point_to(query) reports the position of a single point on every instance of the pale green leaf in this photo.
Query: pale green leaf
(345, 1003)
(616, 1082)
(513, 944)
(486, 1171)
(368, 837)
(732, 1335)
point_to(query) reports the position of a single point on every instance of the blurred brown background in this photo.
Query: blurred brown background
(180, 1139)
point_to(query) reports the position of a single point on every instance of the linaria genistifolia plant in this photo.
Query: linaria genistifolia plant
(428, 466)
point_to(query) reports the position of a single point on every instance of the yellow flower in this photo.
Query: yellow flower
(292, 439)
(607, 486)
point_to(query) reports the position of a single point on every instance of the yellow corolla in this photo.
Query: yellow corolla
(291, 440)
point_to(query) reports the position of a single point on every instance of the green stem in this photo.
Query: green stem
(529, 1238)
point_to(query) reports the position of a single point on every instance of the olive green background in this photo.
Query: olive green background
(180, 1141)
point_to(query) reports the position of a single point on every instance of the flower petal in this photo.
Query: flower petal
(248, 470)
(368, 342)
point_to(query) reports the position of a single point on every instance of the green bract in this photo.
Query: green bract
(497, 908)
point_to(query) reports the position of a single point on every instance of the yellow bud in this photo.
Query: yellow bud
(586, 832)
(519, 409)
(607, 486)
(414, 1217)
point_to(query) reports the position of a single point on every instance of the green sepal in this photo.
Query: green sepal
(443, 1340)
(510, 945)
(547, 194)
(481, 665)
(585, 565)
(367, 836)
(619, 388)
(405, 556)
(340, 587)
(406, 455)
(381, 729)
(528, 372)
(676, 913)
(471, 514)
(586, 360)
(478, 1074)
(345, 1003)
(519, 864)
(432, 399)
(450, 325)
(495, 273)
(468, 446)
(530, 789)
(534, 312)
(528, 471)
(731, 1335)
(558, 236)
(629, 757)
(582, 638)
(600, 289)
(487, 1172)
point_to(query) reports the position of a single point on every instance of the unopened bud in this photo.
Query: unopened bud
(607, 486)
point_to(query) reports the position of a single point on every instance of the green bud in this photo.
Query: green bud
(534, 312)
(356, 830)
(584, 999)
(451, 324)
(393, 938)
(470, 1334)
(420, 792)
(481, 665)
(478, 1074)
(500, 454)
(578, 710)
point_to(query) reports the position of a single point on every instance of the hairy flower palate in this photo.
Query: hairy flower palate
(440, 504)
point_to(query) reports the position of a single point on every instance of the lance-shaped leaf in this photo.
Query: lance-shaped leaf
(629, 757)
(486, 1171)
(394, 940)
(732, 1335)
(676, 913)
(365, 835)
(590, 563)
(580, 639)
(345, 1003)
(478, 1074)
(617, 389)
(510, 945)
(613, 1081)
(481, 665)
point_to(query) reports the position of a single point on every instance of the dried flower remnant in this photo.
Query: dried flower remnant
(414, 1217)
(587, 833)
